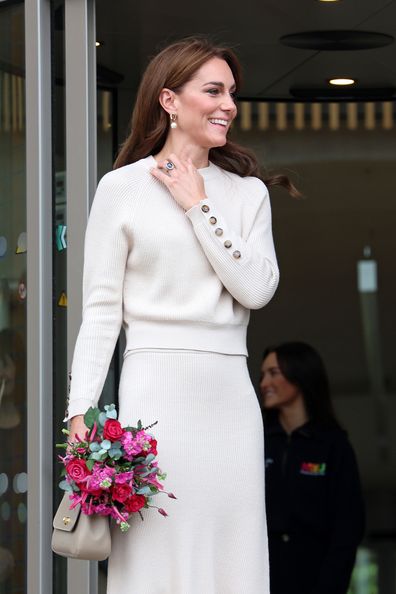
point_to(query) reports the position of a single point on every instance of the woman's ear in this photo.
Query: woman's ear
(167, 100)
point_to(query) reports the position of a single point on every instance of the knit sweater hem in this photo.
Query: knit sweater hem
(226, 339)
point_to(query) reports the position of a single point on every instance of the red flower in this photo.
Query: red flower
(134, 503)
(112, 430)
(77, 470)
(90, 490)
(121, 492)
(153, 448)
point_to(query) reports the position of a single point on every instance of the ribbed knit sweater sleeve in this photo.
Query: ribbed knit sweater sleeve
(248, 267)
(106, 250)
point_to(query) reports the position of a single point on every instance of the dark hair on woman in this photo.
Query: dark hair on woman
(172, 68)
(303, 367)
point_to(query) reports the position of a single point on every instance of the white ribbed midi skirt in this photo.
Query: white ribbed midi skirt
(210, 443)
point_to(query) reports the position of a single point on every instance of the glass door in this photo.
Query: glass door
(13, 292)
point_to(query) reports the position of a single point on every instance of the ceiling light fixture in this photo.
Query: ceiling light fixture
(329, 0)
(342, 82)
(98, 43)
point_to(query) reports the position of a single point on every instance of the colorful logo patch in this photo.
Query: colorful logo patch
(313, 468)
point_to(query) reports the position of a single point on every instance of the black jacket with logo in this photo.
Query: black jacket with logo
(315, 509)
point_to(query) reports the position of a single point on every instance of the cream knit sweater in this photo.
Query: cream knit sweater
(173, 279)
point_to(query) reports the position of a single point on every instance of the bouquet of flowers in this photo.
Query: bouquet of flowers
(112, 471)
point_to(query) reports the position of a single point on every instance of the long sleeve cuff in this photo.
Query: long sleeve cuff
(79, 406)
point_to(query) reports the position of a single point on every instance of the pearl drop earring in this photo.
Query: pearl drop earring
(173, 118)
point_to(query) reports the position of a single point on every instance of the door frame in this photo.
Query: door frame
(81, 180)
(39, 297)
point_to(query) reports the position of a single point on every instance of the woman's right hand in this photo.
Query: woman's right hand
(78, 426)
(184, 181)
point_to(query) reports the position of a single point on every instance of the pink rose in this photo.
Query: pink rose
(77, 470)
(112, 430)
(121, 492)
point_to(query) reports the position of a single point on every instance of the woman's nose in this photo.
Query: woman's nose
(228, 103)
(264, 382)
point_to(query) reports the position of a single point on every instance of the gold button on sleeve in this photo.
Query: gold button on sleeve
(205, 208)
(213, 220)
(227, 243)
(236, 254)
(219, 231)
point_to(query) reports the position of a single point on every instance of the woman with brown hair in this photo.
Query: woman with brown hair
(178, 249)
(313, 493)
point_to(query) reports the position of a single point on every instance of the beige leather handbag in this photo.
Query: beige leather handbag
(79, 536)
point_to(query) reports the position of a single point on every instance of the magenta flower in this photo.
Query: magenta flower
(123, 477)
(100, 476)
(108, 484)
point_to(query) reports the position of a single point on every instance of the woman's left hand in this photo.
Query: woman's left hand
(183, 181)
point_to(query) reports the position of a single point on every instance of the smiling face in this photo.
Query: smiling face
(205, 106)
(277, 392)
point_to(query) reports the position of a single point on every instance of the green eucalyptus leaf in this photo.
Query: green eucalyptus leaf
(106, 444)
(111, 412)
(95, 456)
(115, 453)
(90, 464)
(102, 418)
(91, 416)
(144, 491)
(64, 485)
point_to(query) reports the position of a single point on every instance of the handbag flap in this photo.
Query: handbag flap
(65, 518)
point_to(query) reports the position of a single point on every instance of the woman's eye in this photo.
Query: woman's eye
(213, 91)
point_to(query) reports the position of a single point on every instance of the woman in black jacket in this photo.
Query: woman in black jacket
(314, 502)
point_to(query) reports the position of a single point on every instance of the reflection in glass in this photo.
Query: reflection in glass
(13, 292)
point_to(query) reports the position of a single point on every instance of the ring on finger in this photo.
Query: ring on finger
(169, 165)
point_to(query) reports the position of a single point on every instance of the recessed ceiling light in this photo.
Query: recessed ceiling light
(342, 82)
(329, 0)
(98, 43)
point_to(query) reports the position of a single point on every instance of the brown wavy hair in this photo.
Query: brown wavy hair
(172, 68)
